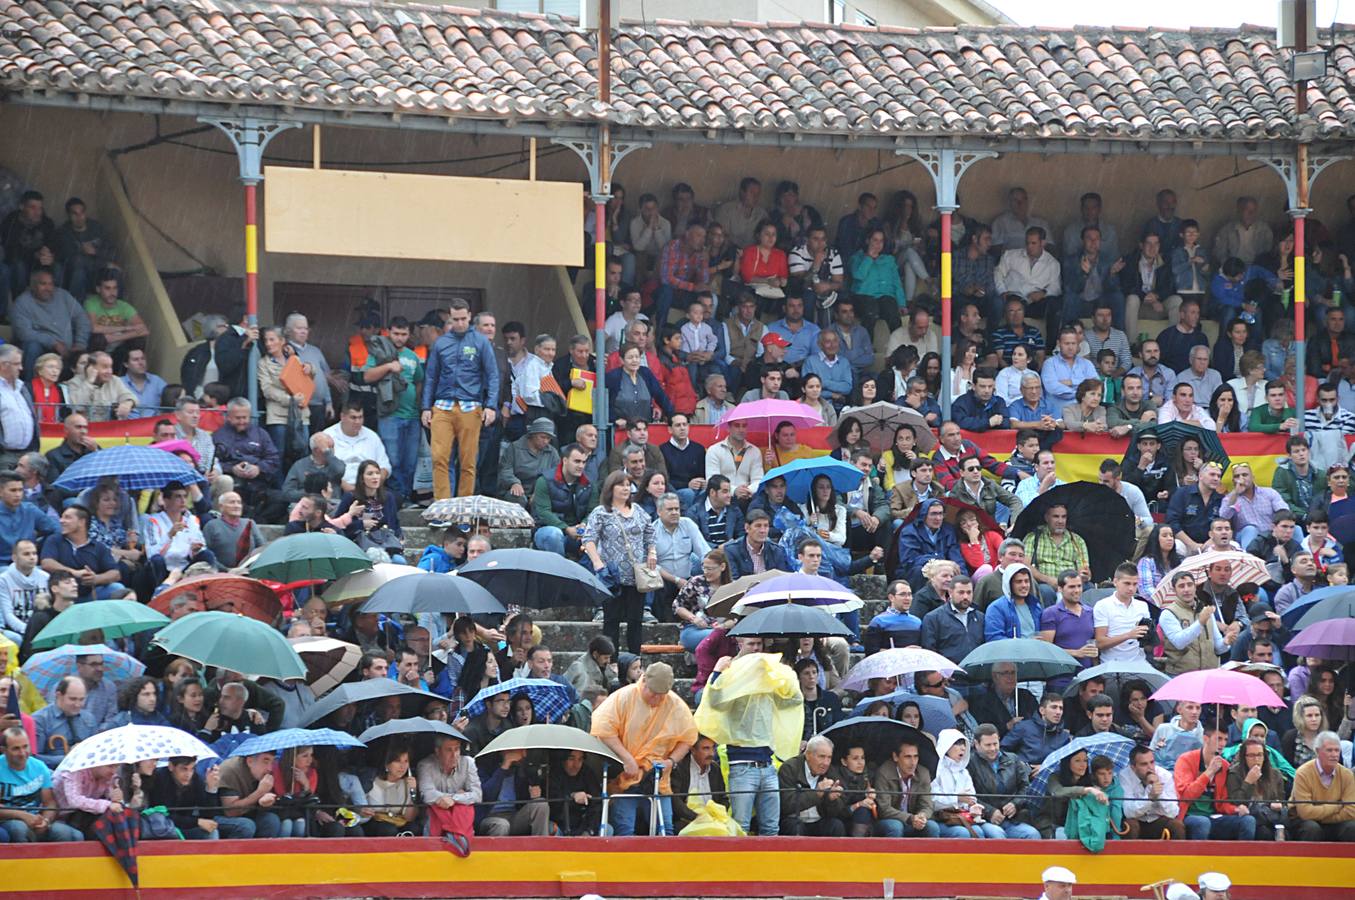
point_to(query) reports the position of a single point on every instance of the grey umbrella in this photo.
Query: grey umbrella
(362, 691)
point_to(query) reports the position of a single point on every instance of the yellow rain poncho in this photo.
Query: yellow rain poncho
(756, 702)
(30, 699)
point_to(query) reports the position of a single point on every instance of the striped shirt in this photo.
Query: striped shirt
(1117, 340)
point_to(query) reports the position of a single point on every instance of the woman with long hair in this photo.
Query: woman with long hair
(966, 361)
(723, 258)
(394, 797)
(1187, 461)
(896, 462)
(1009, 379)
(1299, 743)
(876, 286)
(188, 708)
(1253, 783)
(811, 395)
(653, 485)
(905, 237)
(689, 606)
(978, 546)
(295, 781)
(900, 365)
(866, 392)
(1223, 409)
(1324, 685)
(824, 513)
(371, 514)
(850, 438)
(930, 369)
(139, 703)
(1159, 557)
(479, 671)
(817, 650)
(618, 536)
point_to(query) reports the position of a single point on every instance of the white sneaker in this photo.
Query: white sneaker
(650, 618)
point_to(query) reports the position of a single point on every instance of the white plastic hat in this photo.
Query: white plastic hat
(1058, 874)
(1180, 891)
(1215, 881)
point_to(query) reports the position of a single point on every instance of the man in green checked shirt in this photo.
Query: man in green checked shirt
(1052, 548)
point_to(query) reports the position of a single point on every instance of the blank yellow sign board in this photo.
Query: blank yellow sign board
(336, 212)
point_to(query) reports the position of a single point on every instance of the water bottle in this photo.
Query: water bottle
(1279, 832)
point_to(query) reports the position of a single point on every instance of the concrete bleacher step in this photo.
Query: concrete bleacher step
(562, 660)
(576, 635)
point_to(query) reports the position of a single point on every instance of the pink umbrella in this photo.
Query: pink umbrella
(1219, 686)
(763, 416)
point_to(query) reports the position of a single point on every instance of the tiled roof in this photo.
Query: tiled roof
(976, 80)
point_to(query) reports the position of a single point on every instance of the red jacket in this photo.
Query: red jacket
(1190, 784)
(677, 384)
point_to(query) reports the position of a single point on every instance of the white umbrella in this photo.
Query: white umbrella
(133, 744)
(897, 661)
(361, 585)
(1246, 568)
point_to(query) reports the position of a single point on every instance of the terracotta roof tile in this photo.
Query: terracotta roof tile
(978, 80)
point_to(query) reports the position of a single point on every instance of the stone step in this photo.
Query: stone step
(420, 535)
(681, 668)
(576, 635)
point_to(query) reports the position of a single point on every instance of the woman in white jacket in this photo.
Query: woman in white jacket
(953, 790)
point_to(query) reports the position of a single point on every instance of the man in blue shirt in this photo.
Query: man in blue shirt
(72, 551)
(1193, 507)
(802, 335)
(980, 409)
(26, 795)
(1033, 414)
(147, 386)
(20, 519)
(460, 394)
(832, 367)
(1063, 372)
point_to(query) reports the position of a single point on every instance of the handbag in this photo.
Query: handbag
(156, 825)
(646, 579)
(381, 538)
(954, 817)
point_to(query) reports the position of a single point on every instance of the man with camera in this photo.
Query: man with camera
(1194, 640)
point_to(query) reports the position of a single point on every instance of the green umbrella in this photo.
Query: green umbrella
(305, 557)
(235, 642)
(1035, 660)
(115, 618)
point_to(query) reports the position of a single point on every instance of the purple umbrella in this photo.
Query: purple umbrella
(1333, 639)
(802, 590)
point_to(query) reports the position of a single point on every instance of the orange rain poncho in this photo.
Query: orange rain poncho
(649, 733)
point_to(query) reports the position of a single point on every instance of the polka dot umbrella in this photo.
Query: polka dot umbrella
(132, 744)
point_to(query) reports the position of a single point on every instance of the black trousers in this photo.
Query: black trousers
(626, 604)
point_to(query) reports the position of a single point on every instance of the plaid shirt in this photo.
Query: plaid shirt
(948, 467)
(1052, 558)
(973, 273)
(684, 269)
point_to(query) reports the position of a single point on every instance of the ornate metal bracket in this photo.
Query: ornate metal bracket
(947, 167)
(250, 135)
(1287, 168)
(591, 154)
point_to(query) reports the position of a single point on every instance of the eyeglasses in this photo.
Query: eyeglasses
(933, 685)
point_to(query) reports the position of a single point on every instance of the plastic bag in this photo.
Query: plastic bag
(713, 821)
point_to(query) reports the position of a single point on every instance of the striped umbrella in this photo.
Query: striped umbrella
(328, 661)
(1246, 568)
(136, 468)
(46, 669)
(801, 590)
(477, 510)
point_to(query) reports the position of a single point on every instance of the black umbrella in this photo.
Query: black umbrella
(880, 737)
(1171, 435)
(436, 594)
(1096, 513)
(790, 620)
(535, 578)
(362, 691)
(410, 726)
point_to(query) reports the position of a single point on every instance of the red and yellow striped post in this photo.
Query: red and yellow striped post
(600, 313)
(945, 312)
(252, 253)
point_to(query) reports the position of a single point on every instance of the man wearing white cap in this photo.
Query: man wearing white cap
(1180, 891)
(1214, 886)
(1058, 883)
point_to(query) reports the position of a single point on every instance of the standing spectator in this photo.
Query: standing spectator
(1068, 624)
(1194, 640)
(47, 318)
(644, 724)
(30, 240)
(297, 330)
(279, 406)
(222, 357)
(398, 418)
(187, 415)
(618, 537)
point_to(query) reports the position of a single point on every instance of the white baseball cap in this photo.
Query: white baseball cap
(1058, 874)
(1214, 881)
(1180, 891)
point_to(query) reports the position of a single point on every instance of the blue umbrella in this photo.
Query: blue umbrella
(1291, 616)
(1115, 746)
(801, 473)
(549, 699)
(136, 468)
(535, 578)
(936, 711)
(290, 738)
(46, 669)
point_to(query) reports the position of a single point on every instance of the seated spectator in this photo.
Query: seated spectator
(64, 723)
(876, 286)
(1052, 548)
(193, 801)
(1201, 778)
(740, 552)
(561, 503)
(83, 251)
(19, 518)
(1031, 273)
(248, 796)
(174, 539)
(46, 318)
(246, 452)
(321, 460)
(983, 493)
(929, 536)
(812, 801)
(1194, 507)
(75, 443)
(715, 404)
(1259, 787)
(1323, 795)
(981, 409)
(1035, 736)
(1002, 703)
(527, 459)
(953, 792)
(684, 270)
(955, 628)
(696, 781)
(903, 796)
(1014, 333)
(1001, 780)
(113, 322)
(1177, 341)
(354, 443)
(72, 551)
(1274, 416)
(517, 805)
(231, 537)
(673, 373)
(28, 807)
(369, 514)
(1150, 806)
(1085, 413)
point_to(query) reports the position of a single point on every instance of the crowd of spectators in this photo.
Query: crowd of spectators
(707, 309)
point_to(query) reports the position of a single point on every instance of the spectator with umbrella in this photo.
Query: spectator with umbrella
(1035, 737)
(999, 775)
(903, 794)
(812, 802)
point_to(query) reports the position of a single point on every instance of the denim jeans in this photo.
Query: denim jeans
(691, 635)
(1246, 534)
(984, 829)
(261, 825)
(625, 807)
(896, 829)
(750, 784)
(553, 540)
(1020, 831)
(60, 832)
(1222, 828)
(401, 439)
